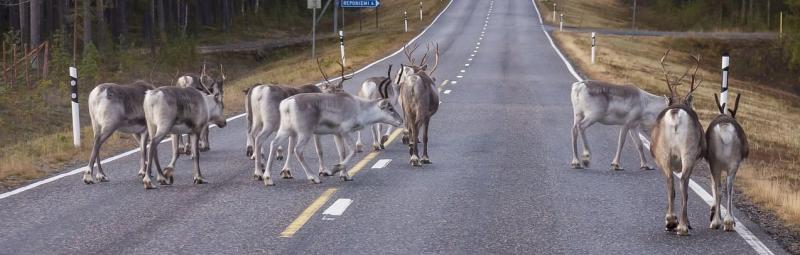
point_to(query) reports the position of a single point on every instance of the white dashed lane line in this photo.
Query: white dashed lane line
(337, 208)
(447, 91)
(381, 163)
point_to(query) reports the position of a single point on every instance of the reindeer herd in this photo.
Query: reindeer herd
(297, 115)
(677, 138)
(301, 114)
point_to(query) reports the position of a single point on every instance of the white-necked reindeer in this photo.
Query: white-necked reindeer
(727, 148)
(115, 107)
(337, 114)
(201, 83)
(175, 110)
(419, 99)
(621, 105)
(678, 144)
(378, 88)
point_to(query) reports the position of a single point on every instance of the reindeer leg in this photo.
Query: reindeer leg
(99, 138)
(343, 172)
(687, 164)
(142, 139)
(286, 172)
(587, 155)
(250, 152)
(194, 138)
(377, 145)
(280, 138)
(204, 145)
(634, 133)
(359, 144)
(575, 164)
(318, 147)
(623, 133)
(385, 137)
(729, 223)
(157, 134)
(425, 158)
(412, 144)
(341, 147)
(716, 211)
(265, 131)
(670, 218)
(302, 140)
(170, 169)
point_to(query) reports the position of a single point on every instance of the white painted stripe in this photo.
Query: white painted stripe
(447, 91)
(453, 82)
(381, 163)
(338, 207)
(471, 55)
(462, 70)
(75, 171)
(82, 169)
(460, 76)
(469, 59)
(466, 64)
(748, 236)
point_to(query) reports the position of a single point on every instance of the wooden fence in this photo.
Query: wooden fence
(16, 63)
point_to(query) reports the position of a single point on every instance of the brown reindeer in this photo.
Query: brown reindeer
(419, 99)
(678, 144)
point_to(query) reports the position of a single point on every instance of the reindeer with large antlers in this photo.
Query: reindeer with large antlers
(678, 143)
(419, 99)
(378, 88)
(727, 148)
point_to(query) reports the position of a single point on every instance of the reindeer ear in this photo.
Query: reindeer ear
(383, 104)
(424, 68)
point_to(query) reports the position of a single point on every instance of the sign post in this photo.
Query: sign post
(561, 23)
(594, 44)
(76, 122)
(723, 94)
(405, 21)
(341, 46)
(314, 5)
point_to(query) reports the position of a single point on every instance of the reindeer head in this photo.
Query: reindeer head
(673, 98)
(721, 107)
(330, 87)
(422, 66)
(216, 91)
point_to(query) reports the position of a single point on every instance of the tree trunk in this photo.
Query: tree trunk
(23, 21)
(36, 22)
(744, 11)
(101, 24)
(148, 26)
(162, 28)
(87, 24)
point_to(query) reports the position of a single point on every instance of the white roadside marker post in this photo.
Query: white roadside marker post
(554, 11)
(420, 10)
(594, 45)
(561, 23)
(723, 94)
(76, 122)
(341, 46)
(780, 29)
(405, 21)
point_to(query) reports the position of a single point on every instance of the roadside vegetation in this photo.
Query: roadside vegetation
(38, 140)
(762, 71)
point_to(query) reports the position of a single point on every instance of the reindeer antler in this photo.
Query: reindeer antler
(666, 74)
(221, 72)
(692, 86)
(325, 76)
(436, 59)
(721, 107)
(409, 53)
(735, 107)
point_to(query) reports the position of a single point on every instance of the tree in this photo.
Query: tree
(36, 22)
(87, 24)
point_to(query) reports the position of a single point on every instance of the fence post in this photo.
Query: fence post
(594, 45)
(76, 123)
(45, 58)
(341, 46)
(405, 21)
(723, 95)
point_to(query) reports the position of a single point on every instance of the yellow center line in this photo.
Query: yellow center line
(322, 199)
(307, 213)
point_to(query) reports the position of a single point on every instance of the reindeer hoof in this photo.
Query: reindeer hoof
(415, 162)
(646, 167)
(249, 151)
(346, 178)
(404, 140)
(426, 161)
(728, 225)
(279, 157)
(671, 222)
(714, 225)
(585, 162)
(286, 174)
(384, 139)
(88, 181)
(616, 167)
(148, 185)
(204, 149)
(315, 180)
(102, 178)
(682, 230)
(199, 180)
(268, 182)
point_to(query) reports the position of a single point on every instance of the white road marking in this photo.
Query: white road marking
(338, 207)
(471, 55)
(479, 43)
(469, 59)
(79, 170)
(466, 64)
(475, 51)
(459, 76)
(463, 71)
(748, 236)
(453, 82)
(447, 91)
(381, 163)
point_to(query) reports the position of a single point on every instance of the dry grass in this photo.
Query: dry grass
(580, 13)
(45, 155)
(769, 116)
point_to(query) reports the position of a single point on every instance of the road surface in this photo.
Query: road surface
(500, 182)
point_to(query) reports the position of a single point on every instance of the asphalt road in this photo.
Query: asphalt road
(500, 182)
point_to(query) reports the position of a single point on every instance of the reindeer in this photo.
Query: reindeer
(378, 88)
(338, 114)
(678, 143)
(175, 110)
(115, 107)
(727, 148)
(623, 105)
(419, 99)
(201, 83)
